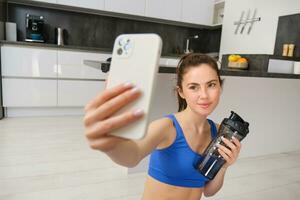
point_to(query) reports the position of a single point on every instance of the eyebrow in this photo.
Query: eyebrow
(199, 84)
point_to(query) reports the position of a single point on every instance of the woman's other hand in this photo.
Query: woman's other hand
(231, 152)
(98, 119)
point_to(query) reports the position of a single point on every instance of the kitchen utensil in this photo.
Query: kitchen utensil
(252, 21)
(245, 23)
(239, 22)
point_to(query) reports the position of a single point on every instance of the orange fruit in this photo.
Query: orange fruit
(242, 60)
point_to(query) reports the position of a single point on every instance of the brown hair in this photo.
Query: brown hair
(192, 60)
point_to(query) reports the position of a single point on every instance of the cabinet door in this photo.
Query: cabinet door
(133, 7)
(28, 62)
(29, 92)
(78, 93)
(73, 64)
(167, 9)
(198, 11)
(93, 4)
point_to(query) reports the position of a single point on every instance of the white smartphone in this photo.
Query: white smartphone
(135, 59)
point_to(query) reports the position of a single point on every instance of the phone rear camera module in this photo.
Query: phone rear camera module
(119, 51)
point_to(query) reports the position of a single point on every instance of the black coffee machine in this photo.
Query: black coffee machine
(34, 28)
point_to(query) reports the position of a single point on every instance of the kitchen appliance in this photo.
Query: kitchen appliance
(11, 31)
(59, 36)
(34, 28)
(234, 126)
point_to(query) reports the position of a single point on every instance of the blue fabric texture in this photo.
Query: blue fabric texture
(175, 165)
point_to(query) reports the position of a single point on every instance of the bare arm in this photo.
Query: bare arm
(99, 123)
(130, 152)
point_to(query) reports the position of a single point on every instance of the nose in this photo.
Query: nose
(203, 93)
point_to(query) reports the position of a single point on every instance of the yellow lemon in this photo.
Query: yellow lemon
(233, 58)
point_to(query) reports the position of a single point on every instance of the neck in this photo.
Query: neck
(194, 120)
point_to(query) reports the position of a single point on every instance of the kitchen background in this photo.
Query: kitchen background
(88, 30)
(44, 79)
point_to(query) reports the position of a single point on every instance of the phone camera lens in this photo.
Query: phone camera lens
(127, 47)
(119, 51)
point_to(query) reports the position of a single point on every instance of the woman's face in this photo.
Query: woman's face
(201, 89)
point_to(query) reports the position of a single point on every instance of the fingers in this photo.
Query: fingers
(111, 106)
(105, 144)
(225, 150)
(107, 95)
(237, 143)
(223, 154)
(230, 153)
(102, 128)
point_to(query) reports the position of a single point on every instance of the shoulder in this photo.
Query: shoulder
(161, 125)
(165, 129)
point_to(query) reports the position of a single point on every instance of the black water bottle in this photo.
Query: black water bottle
(234, 126)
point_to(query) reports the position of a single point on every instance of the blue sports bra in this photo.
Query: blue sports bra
(175, 165)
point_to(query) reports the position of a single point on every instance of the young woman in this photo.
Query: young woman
(175, 142)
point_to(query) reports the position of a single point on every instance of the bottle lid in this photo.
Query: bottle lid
(236, 123)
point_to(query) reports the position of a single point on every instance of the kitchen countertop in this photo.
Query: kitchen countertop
(162, 69)
(64, 47)
(244, 73)
(72, 47)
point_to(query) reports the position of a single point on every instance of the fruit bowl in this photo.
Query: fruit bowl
(238, 65)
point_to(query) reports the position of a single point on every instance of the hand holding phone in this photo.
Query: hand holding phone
(98, 118)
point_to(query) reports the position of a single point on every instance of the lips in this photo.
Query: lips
(204, 105)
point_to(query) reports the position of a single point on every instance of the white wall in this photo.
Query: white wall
(270, 105)
(261, 40)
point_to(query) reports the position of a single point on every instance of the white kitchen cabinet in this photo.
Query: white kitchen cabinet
(72, 64)
(198, 11)
(28, 62)
(78, 93)
(218, 13)
(133, 7)
(29, 92)
(167, 9)
(92, 4)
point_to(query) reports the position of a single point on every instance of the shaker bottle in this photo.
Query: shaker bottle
(234, 126)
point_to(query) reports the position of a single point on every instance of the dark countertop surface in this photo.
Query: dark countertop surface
(244, 73)
(162, 69)
(71, 47)
(64, 47)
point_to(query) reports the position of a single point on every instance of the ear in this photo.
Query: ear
(179, 90)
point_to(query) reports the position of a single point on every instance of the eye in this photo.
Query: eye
(212, 84)
(193, 87)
